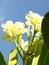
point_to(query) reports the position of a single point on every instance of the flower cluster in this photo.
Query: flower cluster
(18, 28)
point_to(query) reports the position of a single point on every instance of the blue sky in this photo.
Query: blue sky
(15, 10)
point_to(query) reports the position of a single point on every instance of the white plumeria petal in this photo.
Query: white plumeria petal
(24, 45)
(7, 32)
(28, 17)
(31, 13)
(9, 22)
(19, 24)
(28, 23)
(4, 26)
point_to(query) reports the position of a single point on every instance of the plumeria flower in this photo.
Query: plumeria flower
(24, 45)
(12, 30)
(33, 19)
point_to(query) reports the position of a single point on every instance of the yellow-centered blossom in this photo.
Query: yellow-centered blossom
(12, 30)
(33, 18)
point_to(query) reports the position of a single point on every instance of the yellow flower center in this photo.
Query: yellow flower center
(35, 21)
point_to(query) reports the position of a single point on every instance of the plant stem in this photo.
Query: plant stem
(18, 48)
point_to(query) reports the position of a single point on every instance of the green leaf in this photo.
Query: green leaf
(37, 50)
(2, 60)
(45, 29)
(28, 59)
(13, 58)
(36, 46)
(44, 57)
(33, 55)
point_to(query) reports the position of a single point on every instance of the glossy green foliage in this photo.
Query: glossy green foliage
(13, 58)
(2, 60)
(34, 52)
(45, 29)
(44, 57)
(38, 46)
(28, 59)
